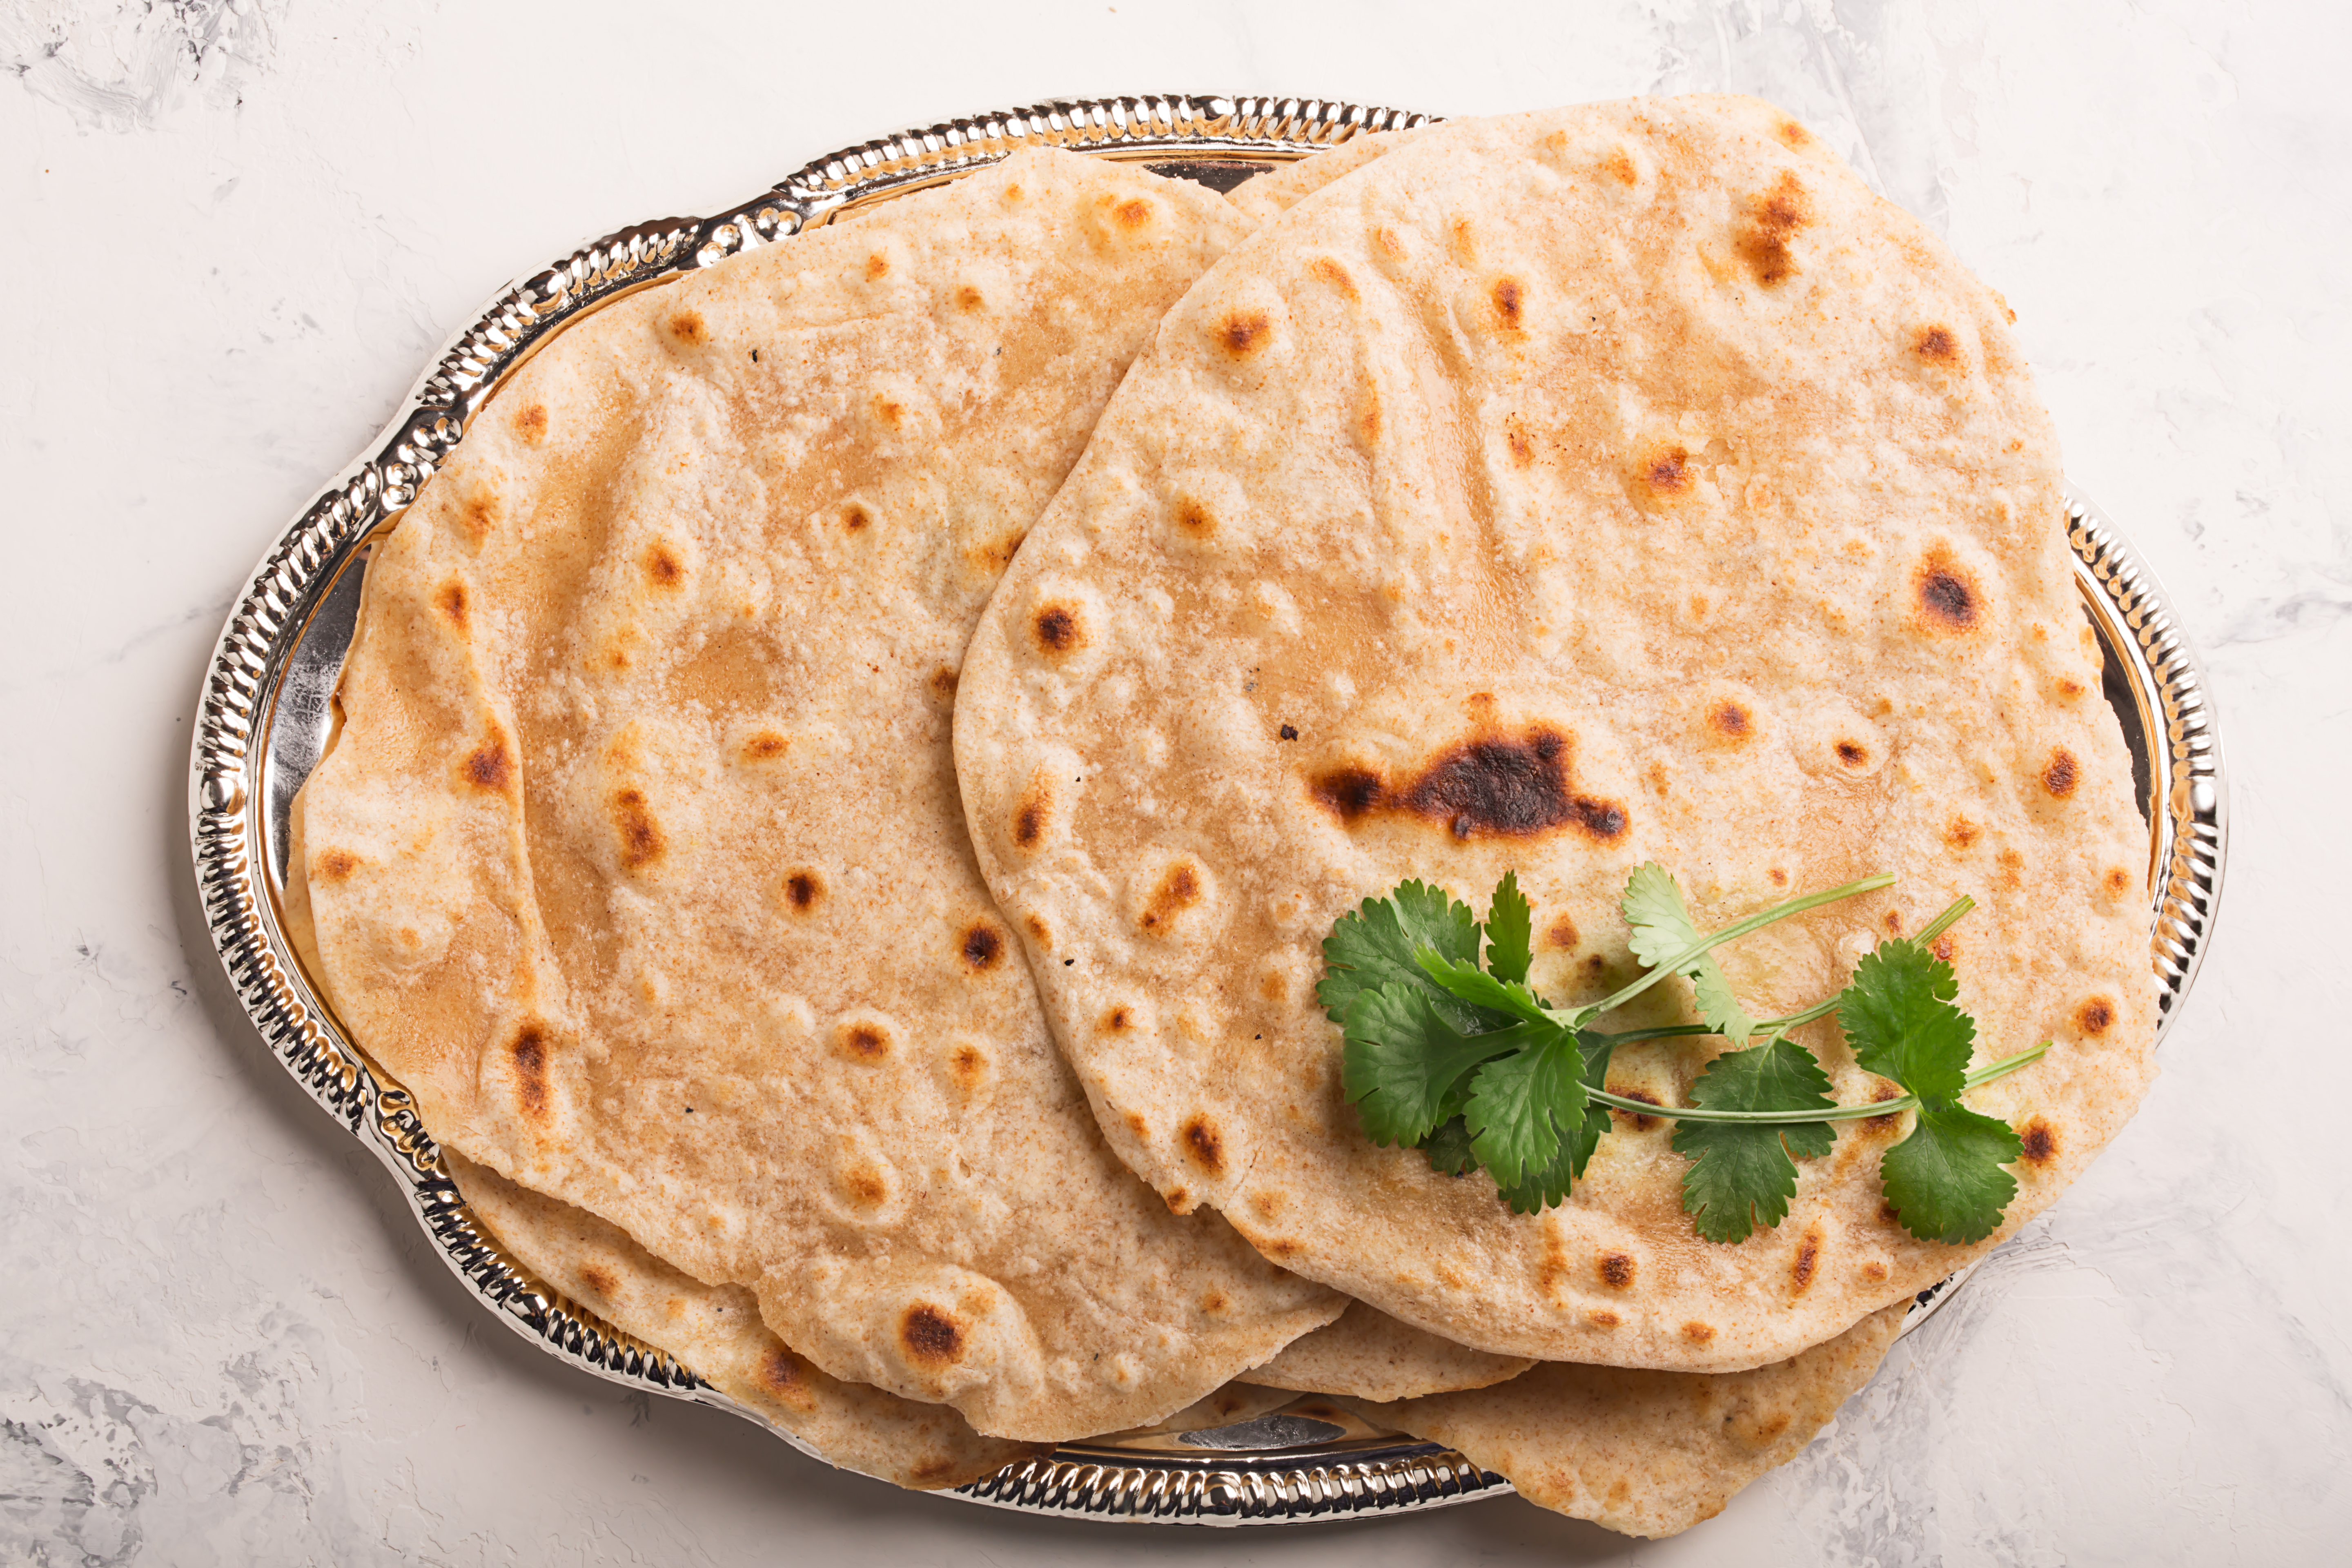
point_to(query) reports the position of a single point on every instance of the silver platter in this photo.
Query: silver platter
(263, 718)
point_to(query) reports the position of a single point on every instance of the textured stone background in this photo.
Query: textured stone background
(230, 234)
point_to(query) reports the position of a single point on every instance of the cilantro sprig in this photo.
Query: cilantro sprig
(1449, 1050)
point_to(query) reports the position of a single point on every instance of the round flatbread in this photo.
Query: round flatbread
(638, 857)
(716, 1331)
(1371, 1356)
(1561, 492)
(1646, 1453)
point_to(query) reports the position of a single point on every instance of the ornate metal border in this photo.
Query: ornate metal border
(1220, 140)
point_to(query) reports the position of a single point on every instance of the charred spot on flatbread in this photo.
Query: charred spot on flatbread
(1491, 786)
(930, 1335)
(1774, 218)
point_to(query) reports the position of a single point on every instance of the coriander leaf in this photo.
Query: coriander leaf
(1374, 947)
(1898, 1016)
(1448, 1149)
(1741, 1176)
(1946, 1179)
(1549, 1187)
(1403, 1057)
(1654, 906)
(1521, 1104)
(1468, 982)
(1510, 932)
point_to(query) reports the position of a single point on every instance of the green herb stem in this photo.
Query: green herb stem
(1756, 921)
(1927, 933)
(1982, 1075)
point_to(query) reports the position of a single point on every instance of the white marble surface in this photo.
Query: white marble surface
(230, 233)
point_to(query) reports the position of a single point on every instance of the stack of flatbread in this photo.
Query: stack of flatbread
(832, 810)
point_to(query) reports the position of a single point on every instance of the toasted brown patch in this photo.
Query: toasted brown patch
(865, 1186)
(785, 1376)
(1523, 447)
(1038, 931)
(982, 947)
(1960, 833)
(1244, 332)
(1602, 1320)
(931, 1337)
(1510, 304)
(2060, 773)
(1030, 816)
(333, 865)
(1669, 473)
(1619, 167)
(663, 568)
(641, 838)
(1215, 1302)
(598, 1281)
(1056, 629)
(1495, 786)
(1732, 721)
(1617, 1270)
(1774, 219)
(530, 422)
(491, 766)
(1698, 1333)
(1639, 1122)
(877, 267)
(1178, 889)
(1949, 599)
(764, 745)
(1874, 1271)
(2095, 1016)
(1118, 1020)
(1808, 1261)
(1141, 1128)
(942, 682)
(1203, 1145)
(2119, 881)
(688, 327)
(1327, 270)
(529, 1051)
(1132, 212)
(856, 518)
(1280, 1248)
(2040, 1141)
(968, 297)
(1562, 933)
(863, 1041)
(1944, 947)
(480, 513)
(1852, 753)
(969, 1063)
(1465, 239)
(804, 888)
(890, 411)
(1792, 134)
(451, 601)
(1936, 344)
(1195, 518)
(2012, 870)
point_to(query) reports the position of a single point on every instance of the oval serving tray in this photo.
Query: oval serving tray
(264, 715)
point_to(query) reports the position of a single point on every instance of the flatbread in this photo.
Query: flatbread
(715, 1331)
(1371, 1356)
(637, 857)
(1556, 493)
(1279, 190)
(1646, 1453)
